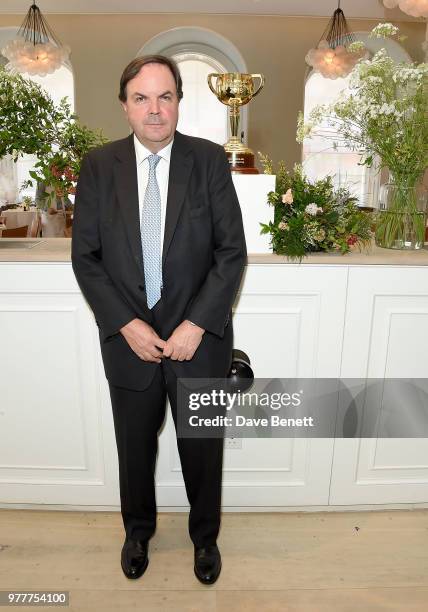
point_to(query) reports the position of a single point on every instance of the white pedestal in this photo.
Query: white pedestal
(252, 190)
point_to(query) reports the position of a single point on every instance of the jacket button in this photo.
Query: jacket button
(141, 287)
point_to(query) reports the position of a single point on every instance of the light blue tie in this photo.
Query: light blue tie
(151, 235)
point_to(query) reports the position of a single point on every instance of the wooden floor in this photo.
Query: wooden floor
(330, 562)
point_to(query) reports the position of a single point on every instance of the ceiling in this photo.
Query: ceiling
(369, 9)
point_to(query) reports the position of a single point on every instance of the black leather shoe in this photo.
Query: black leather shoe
(207, 564)
(134, 558)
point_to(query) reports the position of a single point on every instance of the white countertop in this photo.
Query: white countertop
(58, 250)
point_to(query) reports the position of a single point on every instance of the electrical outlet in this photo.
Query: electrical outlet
(233, 443)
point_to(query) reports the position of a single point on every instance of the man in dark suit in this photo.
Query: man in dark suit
(158, 251)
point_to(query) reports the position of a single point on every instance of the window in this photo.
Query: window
(318, 156)
(198, 52)
(58, 85)
(201, 114)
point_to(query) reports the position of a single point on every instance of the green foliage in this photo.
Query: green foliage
(32, 124)
(29, 118)
(311, 217)
(266, 163)
(60, 169)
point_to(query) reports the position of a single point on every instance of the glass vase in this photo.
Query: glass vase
(401, 218)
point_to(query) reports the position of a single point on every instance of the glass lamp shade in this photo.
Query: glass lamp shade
(35, 59)
(333, 63)
(415, 8)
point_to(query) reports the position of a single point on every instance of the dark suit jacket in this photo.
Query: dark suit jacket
(204, 254)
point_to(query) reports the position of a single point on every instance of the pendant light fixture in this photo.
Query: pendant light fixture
(331, 57)
(36, 50)
(415, 8)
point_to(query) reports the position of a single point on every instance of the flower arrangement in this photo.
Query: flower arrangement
(383, 118)
(312, 216)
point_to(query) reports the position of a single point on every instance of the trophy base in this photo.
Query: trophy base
(241, 162)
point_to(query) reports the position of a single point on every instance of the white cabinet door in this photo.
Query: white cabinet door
(56, 442)
(386, 336)
(289, 320)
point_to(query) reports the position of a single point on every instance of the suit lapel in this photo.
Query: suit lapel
(126, 181)
(180, 168)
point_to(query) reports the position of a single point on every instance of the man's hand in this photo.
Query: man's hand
(183, 342)
(143, 340)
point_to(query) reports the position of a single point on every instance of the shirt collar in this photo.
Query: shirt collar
(142, 152)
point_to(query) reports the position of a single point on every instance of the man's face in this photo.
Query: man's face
(152, 106)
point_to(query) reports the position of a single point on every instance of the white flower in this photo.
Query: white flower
(313, 209)
(410, 73)
(303, 129)
(357, 45)
(382, 30)
(387, 109)
(282, 225)
(320, 235)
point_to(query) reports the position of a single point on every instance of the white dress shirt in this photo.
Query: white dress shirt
(162, 177)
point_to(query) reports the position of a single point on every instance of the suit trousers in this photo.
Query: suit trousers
(138, 417)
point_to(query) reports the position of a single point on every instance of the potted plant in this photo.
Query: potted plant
(27, 201)
(385, 118)
(33, 124)
(59, 171)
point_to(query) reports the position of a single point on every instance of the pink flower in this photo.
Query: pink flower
(287, 197)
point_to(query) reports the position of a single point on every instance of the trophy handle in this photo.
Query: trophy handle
(261, 84)
(209, 77)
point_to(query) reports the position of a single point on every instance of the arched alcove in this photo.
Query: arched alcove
(197, 52)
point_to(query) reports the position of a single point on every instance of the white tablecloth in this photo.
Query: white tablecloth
(18, 218)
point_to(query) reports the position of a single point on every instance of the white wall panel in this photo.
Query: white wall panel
(385, 336)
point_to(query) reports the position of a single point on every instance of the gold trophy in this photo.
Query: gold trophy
(236, 89)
